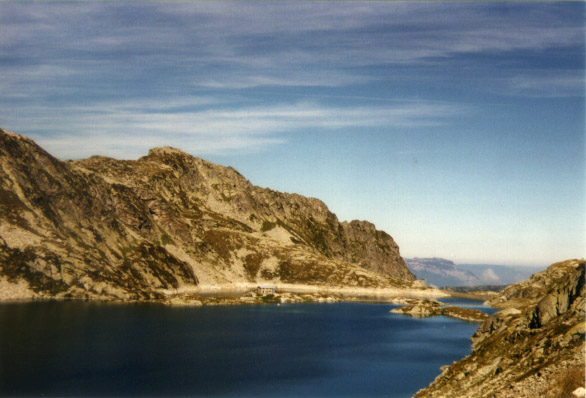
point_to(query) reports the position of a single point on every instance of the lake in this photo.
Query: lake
(290, 350)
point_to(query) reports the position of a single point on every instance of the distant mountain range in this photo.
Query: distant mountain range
(441, 272)
(500, 274)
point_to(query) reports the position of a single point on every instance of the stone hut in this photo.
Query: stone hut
(264, 290)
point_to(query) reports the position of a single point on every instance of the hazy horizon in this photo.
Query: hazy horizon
(456, 127)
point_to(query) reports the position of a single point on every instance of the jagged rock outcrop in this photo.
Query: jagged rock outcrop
(532, 348)
(102, 227)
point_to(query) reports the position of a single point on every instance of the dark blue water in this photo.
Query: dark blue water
(291, 350)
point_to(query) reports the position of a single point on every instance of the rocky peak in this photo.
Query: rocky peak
(161, 152)
(8, 136)
(26, 151)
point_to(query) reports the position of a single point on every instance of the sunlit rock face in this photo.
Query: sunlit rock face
(136, 229)
(534, 347)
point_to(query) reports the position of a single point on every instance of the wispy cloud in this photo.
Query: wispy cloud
(128, 131)
(545, 84)
(293, 79)
(247, 44)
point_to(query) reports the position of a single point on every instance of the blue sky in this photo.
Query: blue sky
(456, 127)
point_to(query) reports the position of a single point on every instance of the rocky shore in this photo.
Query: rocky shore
(238, 294)
(534, 347)
(251, 298)
(245, 294)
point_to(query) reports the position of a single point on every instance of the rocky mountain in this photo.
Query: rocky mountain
(440, 272)
(168, 222)
(534, 347)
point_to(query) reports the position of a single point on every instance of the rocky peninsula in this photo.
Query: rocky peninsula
(424, 308)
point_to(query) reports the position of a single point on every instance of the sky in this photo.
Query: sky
(456, 127)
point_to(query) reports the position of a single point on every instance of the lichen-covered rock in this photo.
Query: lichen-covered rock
(136, 229)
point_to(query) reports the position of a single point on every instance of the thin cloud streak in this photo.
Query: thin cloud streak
(546, 85)
(212, 130)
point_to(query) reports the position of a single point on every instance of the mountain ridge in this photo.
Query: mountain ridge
(102, 227)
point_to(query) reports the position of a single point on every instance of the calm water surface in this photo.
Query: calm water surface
(291, 350)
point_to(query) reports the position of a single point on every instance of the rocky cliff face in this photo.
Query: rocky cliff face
(532, 348)
(102, 227)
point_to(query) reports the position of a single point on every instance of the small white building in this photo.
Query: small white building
(264, 290)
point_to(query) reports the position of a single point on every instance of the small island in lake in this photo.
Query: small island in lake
(423, 308)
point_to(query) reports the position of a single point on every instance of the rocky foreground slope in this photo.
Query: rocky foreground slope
(168, 222)
(534, 347)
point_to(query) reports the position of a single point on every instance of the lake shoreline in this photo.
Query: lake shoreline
(244, 294)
